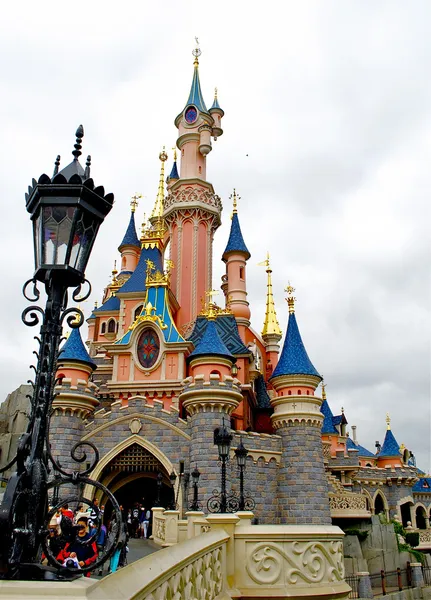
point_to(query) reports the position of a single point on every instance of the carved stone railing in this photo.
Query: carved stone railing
(326, 451)
(348, 505)
(167, 528)
(424, 539)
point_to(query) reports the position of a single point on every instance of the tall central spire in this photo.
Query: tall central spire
(158, 205)
(270, 325)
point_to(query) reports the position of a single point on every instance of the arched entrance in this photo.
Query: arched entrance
(406, 514)
(136, 472)
(379, 506)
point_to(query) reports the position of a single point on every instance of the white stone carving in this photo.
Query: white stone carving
(199, 580)
(308, 562)
(135, 426)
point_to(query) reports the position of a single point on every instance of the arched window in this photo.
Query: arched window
(111, 326)
(241, 273)
(420, 517)
(103, 330)
(214, 372)
(299, 392)
(138, 312)
(379, 506)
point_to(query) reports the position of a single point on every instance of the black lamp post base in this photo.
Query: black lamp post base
(37, 572)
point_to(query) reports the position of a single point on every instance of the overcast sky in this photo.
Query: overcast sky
(327, 138)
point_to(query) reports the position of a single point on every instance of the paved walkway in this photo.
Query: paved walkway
(137, 549)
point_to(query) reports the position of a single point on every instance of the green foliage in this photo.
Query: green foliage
(361, 534)
(412, 538)
(419, 556)
(398, 528)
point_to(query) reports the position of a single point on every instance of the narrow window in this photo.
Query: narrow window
(111, 326)
(103, 330)
(241, 273)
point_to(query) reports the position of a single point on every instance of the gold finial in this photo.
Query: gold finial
(175, 153)
(388, 421)
(196, 53)
(158, 206)
(215, 93)
(96, 304)
(323, 391)
(134, 201)
(290, 298)
(342, 410)
(270, 324)
(234, 197)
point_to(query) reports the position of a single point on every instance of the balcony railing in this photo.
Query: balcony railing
(348, 505)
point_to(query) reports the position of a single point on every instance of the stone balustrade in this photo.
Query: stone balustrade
(424, 539)
(348, 505)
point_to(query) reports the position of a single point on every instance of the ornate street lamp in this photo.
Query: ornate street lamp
(173, 479)
(66, 212)
(241, 457)
(223, 439)
(159, 483)
(195, 479)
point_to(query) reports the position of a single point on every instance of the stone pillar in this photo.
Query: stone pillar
(302, 483)
(364, 585)
(417, 575)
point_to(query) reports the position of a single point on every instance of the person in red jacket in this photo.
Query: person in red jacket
(83, 550)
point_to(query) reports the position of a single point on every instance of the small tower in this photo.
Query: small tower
(130, 246)
(271, 332)
(209, 397)
(236, 256)
(217, 113)
(192, 209)
(75, 398)
(389, 454)
(303, 489)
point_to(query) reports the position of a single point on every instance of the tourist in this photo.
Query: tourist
(82, 550)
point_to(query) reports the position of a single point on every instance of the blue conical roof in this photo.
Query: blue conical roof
(390, 446)
(328, 419)
(74, 350)
(130, 237)
(216, 104)
(211, 344)
(294, 358)
(362, 452)
(136, 282)
(174, 171)
(236, 241)
(112, 303)
(195, 96)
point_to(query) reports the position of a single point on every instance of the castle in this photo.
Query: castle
(165, 366)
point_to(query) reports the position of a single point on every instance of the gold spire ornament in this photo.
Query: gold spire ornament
(175, 153)
(134, 201)
(290, 298)
(323, 391)
(234, 197)
(388, 421)
(196, 53)
(158, 206)
(270, 324)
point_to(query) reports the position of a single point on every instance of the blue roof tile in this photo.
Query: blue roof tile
(195, 96)
(174, 171)
(113, 303)
(294, 358)
(136, 282)
(362, 452)
(216, 104)
(227, 329)
(262, 396)
(211, 344)
(74, 350)
(423, 485)
(130, 237)
(390, 446)
(328, 419)
(236, 241)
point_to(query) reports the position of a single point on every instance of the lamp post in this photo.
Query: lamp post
(222, 439)
(66, 212)
(173, 479)
(195, 479)
(241, 457)
(159, 489)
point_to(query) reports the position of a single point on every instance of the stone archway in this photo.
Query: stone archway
(420, 516)
(133, 459)
(380, 504)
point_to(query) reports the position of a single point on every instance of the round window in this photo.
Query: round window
(148, 348)
(191, 114)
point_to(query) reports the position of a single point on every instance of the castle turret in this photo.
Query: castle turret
(303, 489)
(210, 396)
(130, 246)
(271, 332)
(191, 208)
(236, 256)
(389, 453)
(217, 113)
(75, 398)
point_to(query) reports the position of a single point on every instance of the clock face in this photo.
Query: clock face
(148, 348)
(191, 114)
